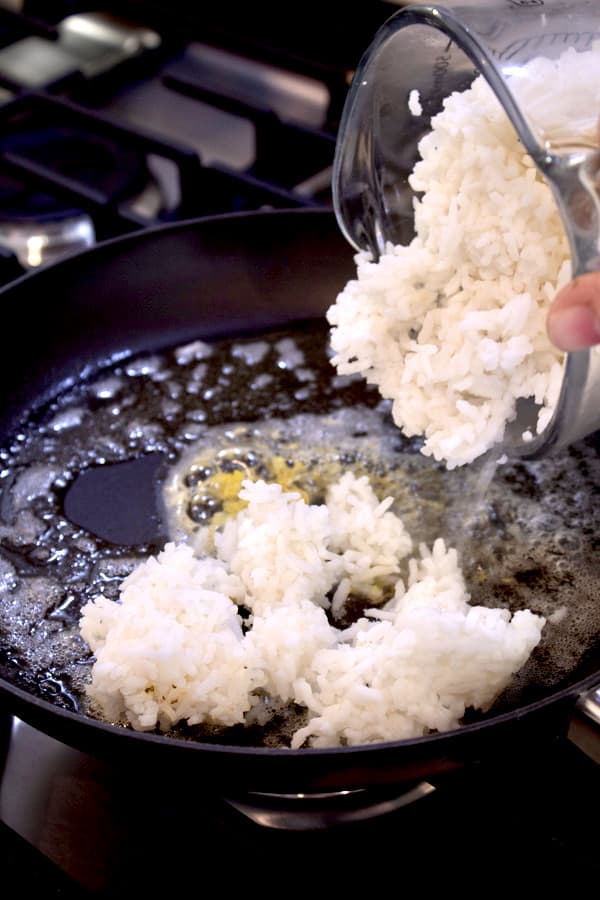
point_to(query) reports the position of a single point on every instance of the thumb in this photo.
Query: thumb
(573, 321)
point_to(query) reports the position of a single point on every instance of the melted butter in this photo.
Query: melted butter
(304, 454)
(215, 496)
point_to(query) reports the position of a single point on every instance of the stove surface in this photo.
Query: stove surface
(82, 828)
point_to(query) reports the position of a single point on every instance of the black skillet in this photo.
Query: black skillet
(206, 279)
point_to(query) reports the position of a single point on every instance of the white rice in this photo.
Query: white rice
(414, 103)
(451, 327)
(418, 665)
(173, 648)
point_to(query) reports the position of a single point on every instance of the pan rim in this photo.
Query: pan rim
(123, 733)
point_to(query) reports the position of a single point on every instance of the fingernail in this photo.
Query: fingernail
(574, 327)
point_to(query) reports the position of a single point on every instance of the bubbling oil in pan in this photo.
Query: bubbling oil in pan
(197, 419)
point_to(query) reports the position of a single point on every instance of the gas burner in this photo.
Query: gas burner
(41, 227)
(97, 162)
(39, 242)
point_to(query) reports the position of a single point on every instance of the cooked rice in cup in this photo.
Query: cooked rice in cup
(452, 327)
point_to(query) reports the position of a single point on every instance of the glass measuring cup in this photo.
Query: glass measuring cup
(436, 50)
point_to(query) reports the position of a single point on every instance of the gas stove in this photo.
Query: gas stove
(124, 118)
(144, 113)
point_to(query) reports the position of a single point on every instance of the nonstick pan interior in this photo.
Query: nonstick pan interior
(529, 543)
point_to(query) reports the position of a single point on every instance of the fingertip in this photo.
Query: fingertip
(584, 290)
(573, 327)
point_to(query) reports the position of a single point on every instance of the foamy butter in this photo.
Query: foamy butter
(530, 545)
(304, 454)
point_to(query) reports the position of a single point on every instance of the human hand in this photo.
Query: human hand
(573, 321)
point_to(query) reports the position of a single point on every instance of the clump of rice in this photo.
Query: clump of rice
(175, 647)
(451, 327)
(416, 665)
